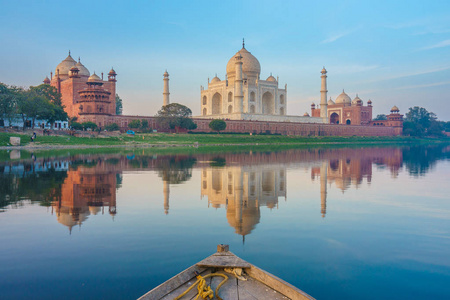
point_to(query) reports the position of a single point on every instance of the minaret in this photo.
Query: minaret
(166, 89)
(323, 189)
(323, 96)
(238, 86)
(166, 191)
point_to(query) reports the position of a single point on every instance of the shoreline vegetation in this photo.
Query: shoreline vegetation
(166, 140)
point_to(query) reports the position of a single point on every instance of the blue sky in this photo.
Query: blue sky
(392, 52)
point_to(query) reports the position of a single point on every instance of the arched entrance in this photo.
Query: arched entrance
(252, 109)
(268, 104)
(348, 122)
(230, 109)
(217, 104)
(204, 111)
(334, 118)
(282, 111)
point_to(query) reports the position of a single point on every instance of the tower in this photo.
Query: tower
(166, 191)
(323, 189)
(238, 86)
(166, 89)
(323, 95)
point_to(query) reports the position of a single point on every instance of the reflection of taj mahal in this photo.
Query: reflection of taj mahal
(242, 190)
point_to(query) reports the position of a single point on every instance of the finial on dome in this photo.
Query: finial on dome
(69, 52)
(243, 43)
(79, 60)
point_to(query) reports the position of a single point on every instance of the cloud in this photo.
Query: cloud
(337, 36)
(407, 87)
(445, 43)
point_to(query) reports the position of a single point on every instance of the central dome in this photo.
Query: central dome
(250, 65)
(343, 99)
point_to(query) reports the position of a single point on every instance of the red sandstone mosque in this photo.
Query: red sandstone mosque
(246, 102)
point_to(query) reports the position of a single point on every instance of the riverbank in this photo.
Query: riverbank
(157, 140)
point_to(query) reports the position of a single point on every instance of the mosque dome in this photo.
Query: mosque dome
(369, 102)
(271, 78)
(395, 109)
(215, 79)
(357, 100)
(65, 66)
(250, 65)
(331, 102)
(94, 78)
(343, 99)
(82, 70)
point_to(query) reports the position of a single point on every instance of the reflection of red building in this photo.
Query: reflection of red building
(348, 167)
(85, 192)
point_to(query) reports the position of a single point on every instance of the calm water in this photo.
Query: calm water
(369, 223)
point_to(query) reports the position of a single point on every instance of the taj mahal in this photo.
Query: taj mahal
(246, 102)
(243, 95)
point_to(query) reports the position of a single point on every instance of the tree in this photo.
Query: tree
(144, 124)
(49, 92)
(174, 116)
(31, 106)
(112, 127)
(380, 117)
(134, 124)
(76, 126)
(119, 106)
(89, 125)
(420, 122)
(8, 102)
(218, 125)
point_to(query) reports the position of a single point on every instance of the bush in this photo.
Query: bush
(134, 124)
(218, 125)
(89, 125)
(76, 126)
(112, 127)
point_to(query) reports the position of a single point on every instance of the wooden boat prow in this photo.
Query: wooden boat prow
(259, 284)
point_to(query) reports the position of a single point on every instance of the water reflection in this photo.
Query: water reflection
(80, 186)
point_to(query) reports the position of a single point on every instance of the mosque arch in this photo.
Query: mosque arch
(252, 97)
(281, 99)
(348, 122)
(334, 118)
(204, 111)
(217, 104)
(230, 97)
(282, 111)
(268, 103)
(204, 100)
(252, 109)
(230, 109)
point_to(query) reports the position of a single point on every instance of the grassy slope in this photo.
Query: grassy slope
(161, 138)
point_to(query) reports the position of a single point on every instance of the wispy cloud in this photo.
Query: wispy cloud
(350, 69)
(337, 36)
(442, 44)
(407, 87)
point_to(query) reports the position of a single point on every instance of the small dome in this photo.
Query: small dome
(343, 99)
(271, 78)
(357, 100)
(215, 79)
(324, 71)
(46, 80)
(94, 78)
(395, 109)
(369, 102)
(165, 73)
(112, 72)
(82, 70)
(250, 65)
(306, 114)
(65, 65)
(313, 105)
(331, 102)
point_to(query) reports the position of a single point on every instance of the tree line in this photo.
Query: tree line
(41, 102)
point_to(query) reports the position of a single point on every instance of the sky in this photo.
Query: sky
(392, 52)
